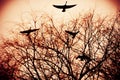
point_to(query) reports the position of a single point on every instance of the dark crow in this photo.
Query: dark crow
(28, 31)
(64, 7)
(72, 33)
(83, 57)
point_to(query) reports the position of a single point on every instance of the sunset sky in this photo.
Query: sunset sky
(11, 11)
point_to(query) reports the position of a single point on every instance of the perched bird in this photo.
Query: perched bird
(64, 7)
(28, 31)
(72, 33)
(83, 57)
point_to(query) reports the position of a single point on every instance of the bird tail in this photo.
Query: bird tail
(63, 10)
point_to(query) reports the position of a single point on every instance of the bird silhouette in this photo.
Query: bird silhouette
(64, 7)
(28, 31)
(83, 57)
(72, 33)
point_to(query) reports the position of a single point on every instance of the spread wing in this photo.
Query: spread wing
(59, 6)
(26, 31)
(33, 30)
(70, 6)
(69, 32)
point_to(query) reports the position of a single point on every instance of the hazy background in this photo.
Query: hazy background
(11, 11)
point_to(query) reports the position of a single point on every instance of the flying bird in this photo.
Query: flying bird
(72, 33)
(28, 31)
(83, 57)
(64, 7)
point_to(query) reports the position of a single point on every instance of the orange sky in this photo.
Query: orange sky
(11, 11)
(16, 7)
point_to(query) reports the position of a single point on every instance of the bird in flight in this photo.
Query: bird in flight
(83, 57)
(64, 7)
(72, 33)
(28, 31)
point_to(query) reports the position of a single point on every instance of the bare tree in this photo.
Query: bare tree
(8, 67)
(110, 67)
(77, 50)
